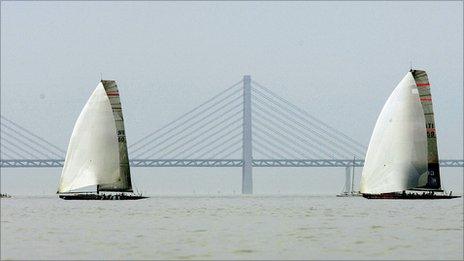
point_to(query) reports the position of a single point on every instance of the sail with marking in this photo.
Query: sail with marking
(431, 179)
(97, 152)
(396, 159)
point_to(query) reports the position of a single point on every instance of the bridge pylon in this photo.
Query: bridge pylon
(247, 147)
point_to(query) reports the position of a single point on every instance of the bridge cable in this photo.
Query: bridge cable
(232, 152)
(310, 124)
(283, 139)
(201, 135)
(187, 114)
(190, 130)
(31, 141)
(258, 150)
(224, 142)
(8, 156)
(218, 140)
(228, 148)
(266, 148)
(19, 147)
(277, 143)
(207, 138)
(314, 132)
(308, 115)
(296, 128)
(297, 109)
(25, 144)
(9, 149)
(32, 134)
(292, 130)
(185, 122)
(173, 135)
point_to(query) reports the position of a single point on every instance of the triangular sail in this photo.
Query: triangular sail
(432, 177)
(397, 153)
(347, 188)
(97, 151)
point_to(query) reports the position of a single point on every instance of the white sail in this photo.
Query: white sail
(397, 154)
(93, 156)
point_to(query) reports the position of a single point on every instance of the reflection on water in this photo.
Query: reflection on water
(231, 227)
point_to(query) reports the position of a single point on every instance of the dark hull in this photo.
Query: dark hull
(408, 196)
(100, 197)
(5, 195)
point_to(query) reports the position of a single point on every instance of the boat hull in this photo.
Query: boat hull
(394, 195)
(343, 195)
(100, 197)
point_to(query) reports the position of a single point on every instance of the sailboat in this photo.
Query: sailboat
(348, 190)
(402, 157)
(97, 163)
(5, 195)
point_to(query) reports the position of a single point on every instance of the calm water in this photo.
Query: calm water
(235, 227)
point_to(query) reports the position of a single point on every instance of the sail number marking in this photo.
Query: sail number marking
(430, 127)
(121, 136)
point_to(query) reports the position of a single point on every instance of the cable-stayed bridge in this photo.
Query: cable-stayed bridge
(246, 125)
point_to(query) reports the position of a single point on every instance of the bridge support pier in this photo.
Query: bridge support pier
(247, 168)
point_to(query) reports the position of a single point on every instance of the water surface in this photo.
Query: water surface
(231, 227)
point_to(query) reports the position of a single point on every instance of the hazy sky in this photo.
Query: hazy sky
(337, 60)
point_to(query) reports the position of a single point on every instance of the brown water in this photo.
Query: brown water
(231, 227)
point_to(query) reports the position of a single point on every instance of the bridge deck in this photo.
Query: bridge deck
(55, 163)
